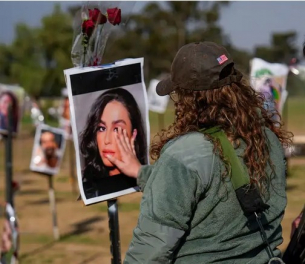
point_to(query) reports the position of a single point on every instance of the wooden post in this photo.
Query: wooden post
(53, 207)
(72, 166)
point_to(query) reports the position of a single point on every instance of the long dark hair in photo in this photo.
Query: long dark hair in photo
(94, 167)
(15, 108)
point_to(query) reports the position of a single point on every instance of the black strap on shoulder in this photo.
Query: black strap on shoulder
(248, 196)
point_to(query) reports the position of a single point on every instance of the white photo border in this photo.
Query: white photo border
(39, 128)
(73, 71)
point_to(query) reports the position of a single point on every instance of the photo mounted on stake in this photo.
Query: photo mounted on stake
(14, 96)
(64, 114)
(48, 150)
(270, 79)
(103, 99)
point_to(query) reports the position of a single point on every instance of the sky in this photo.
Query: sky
(247, 23)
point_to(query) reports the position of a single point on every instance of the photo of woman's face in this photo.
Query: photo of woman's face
(115, 115)
(5, 101)
(66, 110)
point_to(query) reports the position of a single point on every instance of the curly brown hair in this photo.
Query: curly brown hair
(238, 109)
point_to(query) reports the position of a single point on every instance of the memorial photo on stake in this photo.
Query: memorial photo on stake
(64, 114)
(48, 150)
(103, 100)
(270, 79)
(13, 96)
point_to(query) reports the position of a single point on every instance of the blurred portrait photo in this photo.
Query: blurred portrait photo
(8, 99)
(48, 150)
(13, 96)
(64, 118)
(111, 103)
(270, 79)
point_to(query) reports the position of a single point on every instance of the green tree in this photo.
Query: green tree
(55, 38)
(37, 56)
(158, 31)
(26, 68)
(281, 50)
(5, 61)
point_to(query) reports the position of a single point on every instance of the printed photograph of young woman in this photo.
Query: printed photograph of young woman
(105, 100)
(7, 98)
(114, 109)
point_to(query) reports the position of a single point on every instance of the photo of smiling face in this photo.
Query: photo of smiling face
(115, 115)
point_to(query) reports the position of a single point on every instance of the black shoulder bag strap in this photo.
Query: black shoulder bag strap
(249, 197)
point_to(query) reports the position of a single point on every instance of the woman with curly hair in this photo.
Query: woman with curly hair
(190, 212)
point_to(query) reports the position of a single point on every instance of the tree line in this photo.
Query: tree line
(37, 56)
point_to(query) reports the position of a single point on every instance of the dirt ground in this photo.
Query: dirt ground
(84, 232)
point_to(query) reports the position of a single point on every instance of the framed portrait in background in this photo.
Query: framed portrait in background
(64, 114)
(48, 150)
(11, 95)
(102, 99)
(156, 102)
(270, 79)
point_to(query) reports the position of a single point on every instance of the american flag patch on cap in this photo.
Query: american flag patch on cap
(222, 59)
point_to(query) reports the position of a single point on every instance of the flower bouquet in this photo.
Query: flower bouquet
(89, 44)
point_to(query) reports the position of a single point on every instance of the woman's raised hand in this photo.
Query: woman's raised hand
(129, 165)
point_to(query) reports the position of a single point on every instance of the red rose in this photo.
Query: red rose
(114, 16)
(96, 62)
(88, 27)
(97, 17)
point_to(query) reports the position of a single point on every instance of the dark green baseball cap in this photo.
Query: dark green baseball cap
(198, 66)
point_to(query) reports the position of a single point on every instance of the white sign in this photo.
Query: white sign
(270, 79)
(156, 103)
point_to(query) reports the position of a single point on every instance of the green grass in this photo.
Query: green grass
(297, 172)
(159, 121)
(35, 238)
(80, 239)
(62, 179)
(65, 195)
(294, 115)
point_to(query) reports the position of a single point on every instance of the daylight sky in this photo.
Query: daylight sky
(247, 23)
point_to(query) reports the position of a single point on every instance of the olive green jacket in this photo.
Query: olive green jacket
(190, 214)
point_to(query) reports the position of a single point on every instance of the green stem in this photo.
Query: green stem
(98, 41)
(85, 44)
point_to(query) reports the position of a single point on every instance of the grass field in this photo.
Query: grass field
(84, 230)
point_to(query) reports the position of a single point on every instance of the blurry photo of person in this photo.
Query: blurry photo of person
(66, 109)
(272, 96)
(113, 111)
(7, 98)
(64, 119)
(46, 153)
(49, 147)
(48, 150)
